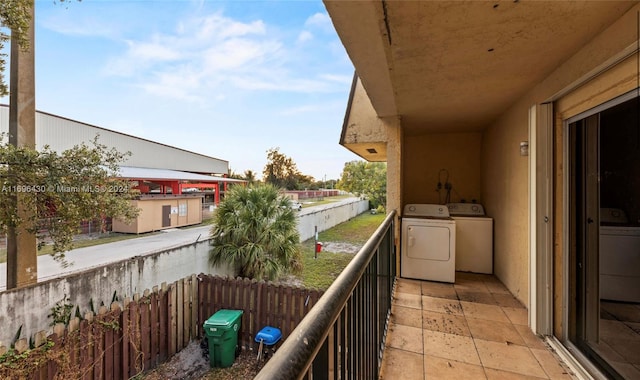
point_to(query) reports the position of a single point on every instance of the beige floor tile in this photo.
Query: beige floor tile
(439, 290)
(436, 285)
(470, 276)
(441, 305)
(507, 300)
(530, 339)
(517, 316)
(508, 357)
(482, 311)
(494, 374)
(443, 369)
(628, 371)
(405, 338)
(450, 346)
(496, 287)
(476, 297)
(551, 365)
(495, 331)
(399, 364)
(408, 300)
(407, 316)
(448, 293)
(409, 286)
(471, 285)
(447, 323)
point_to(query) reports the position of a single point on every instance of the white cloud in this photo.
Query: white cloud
(222, 28)
(319, 20)
(152, 51)
(208, 57)
(238, 53)
(305, 36)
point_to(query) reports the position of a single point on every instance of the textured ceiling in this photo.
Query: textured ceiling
(457, 65)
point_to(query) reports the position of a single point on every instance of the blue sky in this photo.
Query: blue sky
(228, 79)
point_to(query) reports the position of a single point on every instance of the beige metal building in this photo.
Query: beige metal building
(532, 108)
(161, 172)
(61, 133)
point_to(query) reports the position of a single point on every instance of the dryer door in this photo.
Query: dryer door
(428, 242)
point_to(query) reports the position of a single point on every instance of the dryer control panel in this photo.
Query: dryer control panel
(425, 210)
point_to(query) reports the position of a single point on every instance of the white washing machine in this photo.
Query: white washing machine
(474, 238)
(619, 251)
(428, 245)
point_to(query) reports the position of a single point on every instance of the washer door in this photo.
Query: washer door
(428, 242)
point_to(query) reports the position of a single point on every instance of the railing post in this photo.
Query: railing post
(355, 308)
(320, 368)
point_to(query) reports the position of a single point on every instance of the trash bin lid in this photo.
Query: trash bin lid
(224, 318)
(269, 335)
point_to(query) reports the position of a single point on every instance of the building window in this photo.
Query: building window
(182, 209)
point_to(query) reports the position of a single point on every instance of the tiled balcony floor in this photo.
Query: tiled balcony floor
(473, 329)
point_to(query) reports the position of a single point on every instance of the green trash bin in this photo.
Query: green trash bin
(221, 330)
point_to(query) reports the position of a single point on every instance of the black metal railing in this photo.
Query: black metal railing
(343, 335)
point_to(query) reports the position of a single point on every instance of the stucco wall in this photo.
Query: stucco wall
(425, 156)
(505, 174)
(329, 216)
(505, 192)
(30, 306)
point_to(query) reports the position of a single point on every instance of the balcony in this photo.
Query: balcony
(473, 329)
(370, 324)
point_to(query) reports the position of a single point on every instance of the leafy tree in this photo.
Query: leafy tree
(15, 15)
(302, 182)
(256, 232)
(367, 179)
(63, 189)
(282, 172)
(234, 175)
(250, 176)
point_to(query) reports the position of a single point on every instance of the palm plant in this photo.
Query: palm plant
(255, 231)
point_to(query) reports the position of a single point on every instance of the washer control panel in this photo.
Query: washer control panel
(465, 209)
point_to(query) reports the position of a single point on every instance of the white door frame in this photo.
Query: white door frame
(541, 218)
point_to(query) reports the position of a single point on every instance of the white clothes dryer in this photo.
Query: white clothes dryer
(428, 245)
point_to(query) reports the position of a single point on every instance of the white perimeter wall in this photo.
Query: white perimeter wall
(30, 306)
(329, 216)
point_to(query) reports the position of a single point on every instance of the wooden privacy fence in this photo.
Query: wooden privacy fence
(126, 339)
(263, 304)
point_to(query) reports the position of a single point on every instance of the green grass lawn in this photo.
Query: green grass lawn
(325, 201)
(320, 272)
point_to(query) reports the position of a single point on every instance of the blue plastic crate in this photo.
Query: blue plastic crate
(269, 335)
